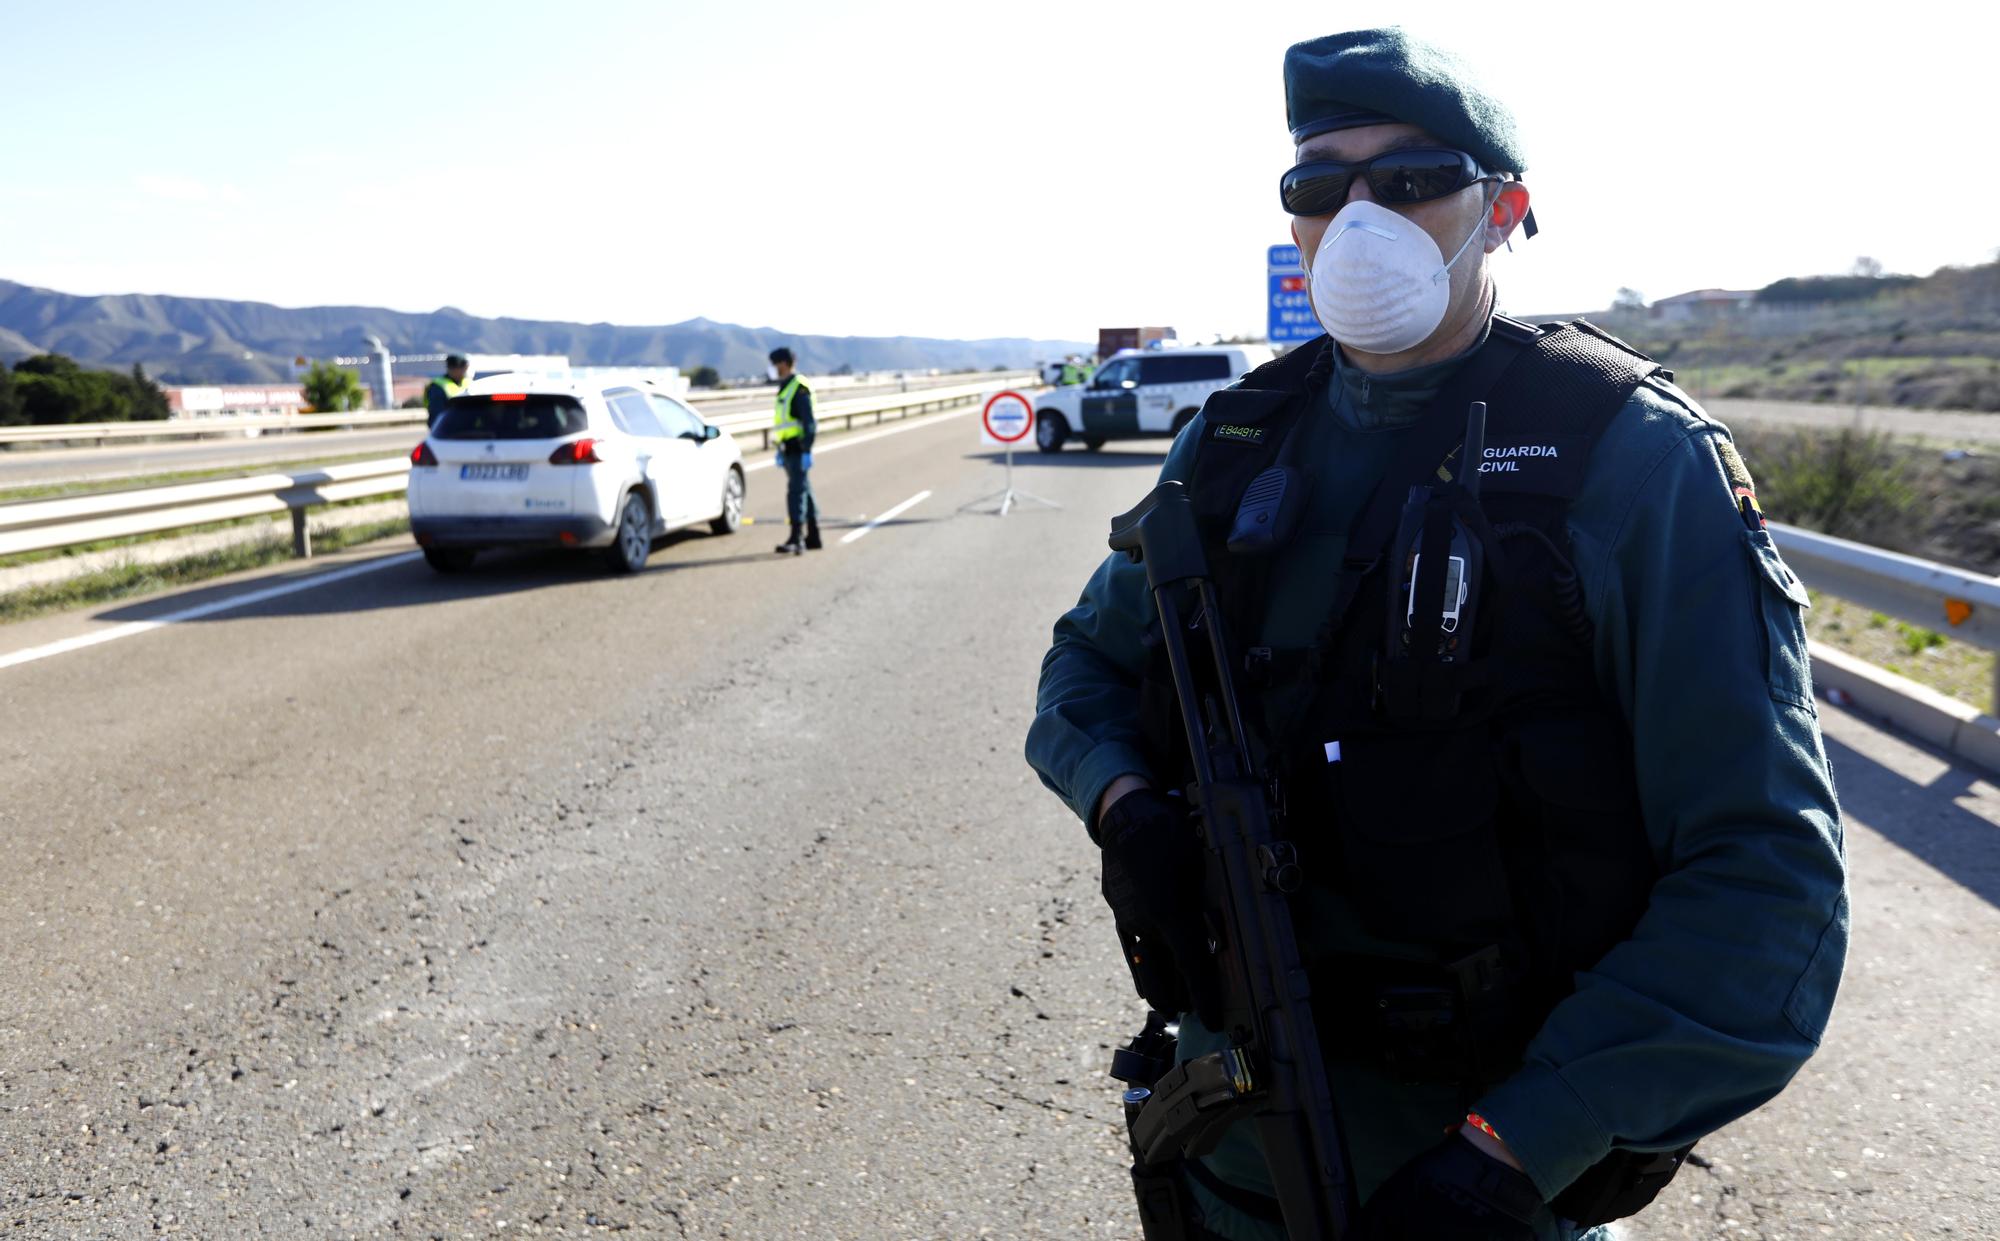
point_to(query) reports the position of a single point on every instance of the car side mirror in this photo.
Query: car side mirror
(710, 433)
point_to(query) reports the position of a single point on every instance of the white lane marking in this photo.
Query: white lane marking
(116, 632)
(891, 515)
(849, 441)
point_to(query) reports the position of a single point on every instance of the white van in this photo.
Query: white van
(1139, 393)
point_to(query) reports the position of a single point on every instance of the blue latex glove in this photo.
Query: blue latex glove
(805, 461)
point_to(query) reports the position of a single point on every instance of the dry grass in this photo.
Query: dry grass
(99, 486)
(131, 580)
(1957, 669)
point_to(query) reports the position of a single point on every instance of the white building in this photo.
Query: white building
(1703, 305)
(232, 400)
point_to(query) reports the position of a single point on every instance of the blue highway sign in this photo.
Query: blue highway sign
(1290, 306)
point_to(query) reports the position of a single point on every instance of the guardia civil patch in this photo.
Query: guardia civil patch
(1732, 465)
(1741, 485)
(1240, 434)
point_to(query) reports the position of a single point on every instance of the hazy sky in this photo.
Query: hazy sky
(941, 170)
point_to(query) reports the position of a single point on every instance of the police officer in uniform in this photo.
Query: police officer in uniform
(792, 429)
(1542, 730)
(444, 387)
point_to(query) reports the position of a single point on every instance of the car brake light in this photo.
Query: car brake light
(422, 455)
(509, 396)
(576, 452)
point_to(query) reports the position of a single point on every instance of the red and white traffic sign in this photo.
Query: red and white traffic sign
(1007, 419)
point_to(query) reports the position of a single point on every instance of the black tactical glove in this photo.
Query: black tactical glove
(1153, 883)
(1458, 1191)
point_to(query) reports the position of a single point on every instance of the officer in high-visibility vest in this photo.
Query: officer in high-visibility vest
(792, 429)
(444, 387)
(1074, 371)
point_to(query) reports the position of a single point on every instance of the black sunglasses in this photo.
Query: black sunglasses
(1412, 175)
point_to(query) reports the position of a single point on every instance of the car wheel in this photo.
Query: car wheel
(1091, 443)
(1051, 429)
(1182, 419)
(634, 541)
(449, 559)
(732, 503)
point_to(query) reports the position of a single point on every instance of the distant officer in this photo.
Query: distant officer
(444, 387)
(793, 431)
(1548, 750)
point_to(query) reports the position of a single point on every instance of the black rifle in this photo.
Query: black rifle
(1272, 1074)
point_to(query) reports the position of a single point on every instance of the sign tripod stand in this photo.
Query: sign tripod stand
(1007, 419)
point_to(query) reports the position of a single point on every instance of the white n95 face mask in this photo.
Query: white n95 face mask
(1379, 283)
(771, 373)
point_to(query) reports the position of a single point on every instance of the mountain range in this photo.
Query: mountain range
(209, 340)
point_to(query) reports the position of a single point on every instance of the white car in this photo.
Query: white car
(1140, 392)
(518, 460)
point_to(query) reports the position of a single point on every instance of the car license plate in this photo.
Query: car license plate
(493, 473)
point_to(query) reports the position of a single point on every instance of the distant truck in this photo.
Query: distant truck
(1111, 339)
(1140, 392)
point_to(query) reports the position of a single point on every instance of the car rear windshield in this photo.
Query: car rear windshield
(1183, 368)
(508, 417)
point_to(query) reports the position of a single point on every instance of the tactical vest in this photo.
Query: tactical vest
(1484, 811)
(784, 426)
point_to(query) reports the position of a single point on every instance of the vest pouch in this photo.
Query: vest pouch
(1582, 865)
(1414, 816)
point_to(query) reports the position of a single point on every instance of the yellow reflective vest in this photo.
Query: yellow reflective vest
(784, 426)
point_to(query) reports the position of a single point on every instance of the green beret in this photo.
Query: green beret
(1373, 77)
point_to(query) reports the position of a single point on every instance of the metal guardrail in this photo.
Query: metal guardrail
(176, 428)
(875, 408)
(1959, 604)
(101, 433)
(43, 525)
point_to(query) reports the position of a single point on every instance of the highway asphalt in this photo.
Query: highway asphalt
(1943, 427)
(717, 901)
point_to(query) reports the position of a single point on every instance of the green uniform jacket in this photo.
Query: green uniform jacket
(1725, 986)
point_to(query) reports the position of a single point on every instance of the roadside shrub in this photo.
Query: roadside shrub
(1917, 639)
(50, 388)
(1851, 484)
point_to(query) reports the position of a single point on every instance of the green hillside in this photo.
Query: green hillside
(210, 340)
(1923, 343)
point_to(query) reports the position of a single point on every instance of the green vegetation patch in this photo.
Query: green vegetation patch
(1879, 490)
(179, 532)
(1957, 669)
(48, 388)
(1863, 339)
